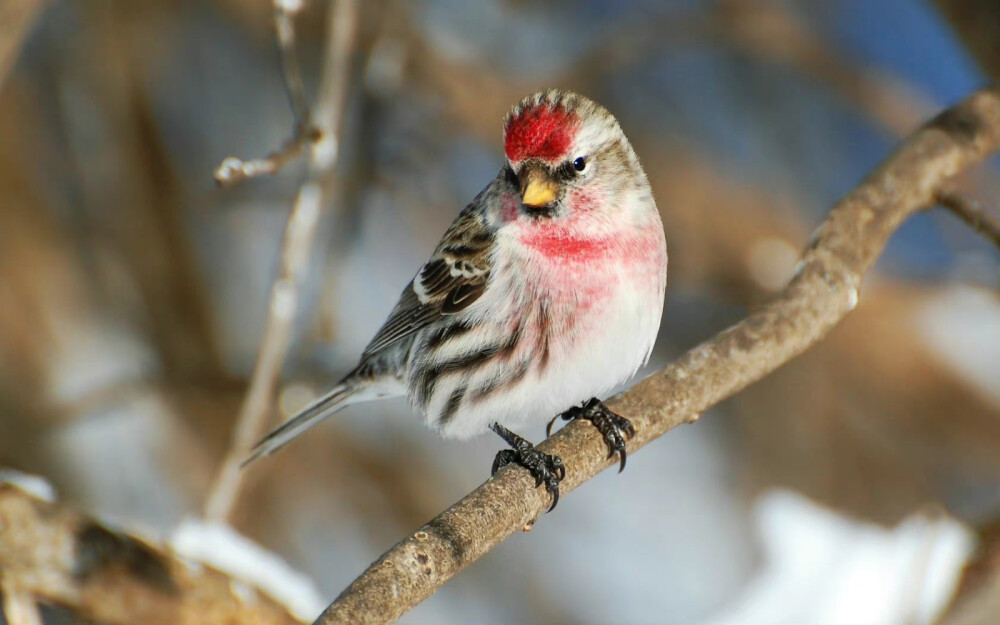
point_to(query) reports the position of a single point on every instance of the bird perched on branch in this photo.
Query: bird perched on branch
(545, 291)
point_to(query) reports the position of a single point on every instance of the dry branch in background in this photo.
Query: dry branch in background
(766, 32)
(16, 18)
(969, 211)
(823, 290)
(978, 25)
(300, 231)
(53, 554)
(234, 169)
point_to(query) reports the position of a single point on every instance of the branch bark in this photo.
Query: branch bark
(51, 553)
(823, 290)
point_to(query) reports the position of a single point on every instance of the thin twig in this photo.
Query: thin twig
(299, 234)
(284, 26)
(234, 169)
(969, 211)
(53, 553)
(823, 291)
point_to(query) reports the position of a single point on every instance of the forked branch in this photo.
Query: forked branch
(324, 122)
(824, 290)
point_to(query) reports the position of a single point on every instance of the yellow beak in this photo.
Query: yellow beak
(538, 192)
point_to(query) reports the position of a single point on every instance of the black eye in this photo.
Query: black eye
(580, 163)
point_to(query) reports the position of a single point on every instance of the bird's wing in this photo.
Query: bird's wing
(453, 278)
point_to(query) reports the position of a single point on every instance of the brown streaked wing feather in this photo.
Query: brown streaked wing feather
(407, 317)
(465, 251)
(461, 296)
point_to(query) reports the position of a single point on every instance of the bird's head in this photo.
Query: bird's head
(566, 153)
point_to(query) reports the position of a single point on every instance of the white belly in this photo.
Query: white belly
(583, 337)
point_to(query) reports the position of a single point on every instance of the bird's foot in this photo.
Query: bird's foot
(613, 427)
(545, 468)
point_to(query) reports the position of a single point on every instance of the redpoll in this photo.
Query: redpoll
(545, 291)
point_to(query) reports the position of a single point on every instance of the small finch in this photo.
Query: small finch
(545, 291)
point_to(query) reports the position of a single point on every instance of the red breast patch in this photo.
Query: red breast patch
(541, 132)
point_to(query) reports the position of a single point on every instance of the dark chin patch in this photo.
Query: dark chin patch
(541, 212)
(543, 132)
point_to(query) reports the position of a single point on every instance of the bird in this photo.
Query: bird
(546, 291)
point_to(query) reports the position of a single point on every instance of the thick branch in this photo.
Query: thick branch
(823, 291)
(51, 553)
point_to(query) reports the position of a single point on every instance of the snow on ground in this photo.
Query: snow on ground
(823, 568)
(220, 546)
(34, 485)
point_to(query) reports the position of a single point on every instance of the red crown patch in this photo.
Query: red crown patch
(544, 132)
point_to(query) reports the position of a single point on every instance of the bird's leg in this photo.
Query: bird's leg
(545, 468)
(613, 427)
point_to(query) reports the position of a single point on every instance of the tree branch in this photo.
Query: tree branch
(51, 553)
(969, 211)
(823, 290)
(300, 230)
(234, 169)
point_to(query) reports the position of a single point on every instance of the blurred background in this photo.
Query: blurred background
(849, 487)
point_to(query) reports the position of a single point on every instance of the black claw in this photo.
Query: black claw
(545, 468)
(548, 428)
(575, 412)
(503, 458)
(613, 427)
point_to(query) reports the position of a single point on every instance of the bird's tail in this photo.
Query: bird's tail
(342, 395)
